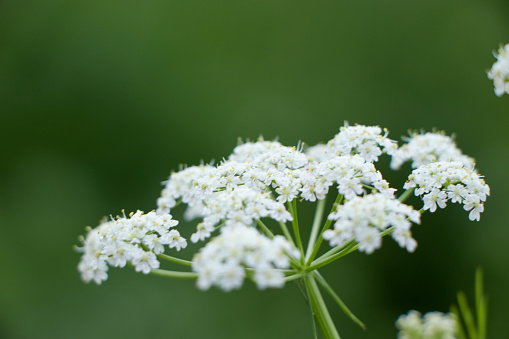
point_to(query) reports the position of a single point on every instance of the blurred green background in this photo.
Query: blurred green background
(100, 100)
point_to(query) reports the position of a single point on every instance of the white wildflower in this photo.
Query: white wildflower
(174, 240)
(410, 326)
(499, 72)
(203, 232)
(440, 182)
(351, 173)
(362, 219)
(423, 149)
(136, 239)
(439, 325)
(269, 278)
(179, 185)
(144, 261)
(366, 141)
(434, 325)
(434, 198)
(223, 261)
(243, 205)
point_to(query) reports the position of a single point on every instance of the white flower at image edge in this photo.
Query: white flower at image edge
(499, 72)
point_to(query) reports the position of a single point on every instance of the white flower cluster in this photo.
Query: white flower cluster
(351, 173)
(259, 177)
(258, 165)
(499, 72)
(178, 186)
(223, 261)
(366, 141)
(434, 325)
(440, 182)
(364, 218)
(423, 149)
(136, 240)
(244, 205)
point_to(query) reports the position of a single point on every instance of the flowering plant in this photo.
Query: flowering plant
(247, 212)
(461, 323)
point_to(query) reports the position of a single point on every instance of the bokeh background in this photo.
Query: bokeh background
(100, 100)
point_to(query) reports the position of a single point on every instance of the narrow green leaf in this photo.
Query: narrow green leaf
(480, 304)
(467, 316)
(459, 325)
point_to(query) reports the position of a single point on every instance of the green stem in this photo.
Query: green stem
(338, 300)
(265, 229)
(331, 256)
(169, 257)
(339, 198)
(403, 197)
(174, 274)
(370, 187)
(292, 206)
(294, 276)
(320, 207)
(320, 262)
(175, 260)
(286, 232)
(334, 251)
(319, 308)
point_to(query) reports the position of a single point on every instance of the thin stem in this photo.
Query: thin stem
(334, 250)
(265, 229)
(312, 313)
(370, 187)
(286, 232)
(292, 206)
(338, 300)
(320, 262)
(219, 226)
(174, 259)
(174, 274)
(319, 308)
(320, 207)
(403, 197)
(169, 257)
(294, 276)
(331, 256)
(339, 198)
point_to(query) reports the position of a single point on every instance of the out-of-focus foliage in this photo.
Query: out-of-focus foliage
(100, 100)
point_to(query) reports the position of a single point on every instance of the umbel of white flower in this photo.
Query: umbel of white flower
(245, 213)
(240, 201)
(221, 262)
(499, 72)
(434, 325)
(137, 240)
(365, 218)
(440, 182)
